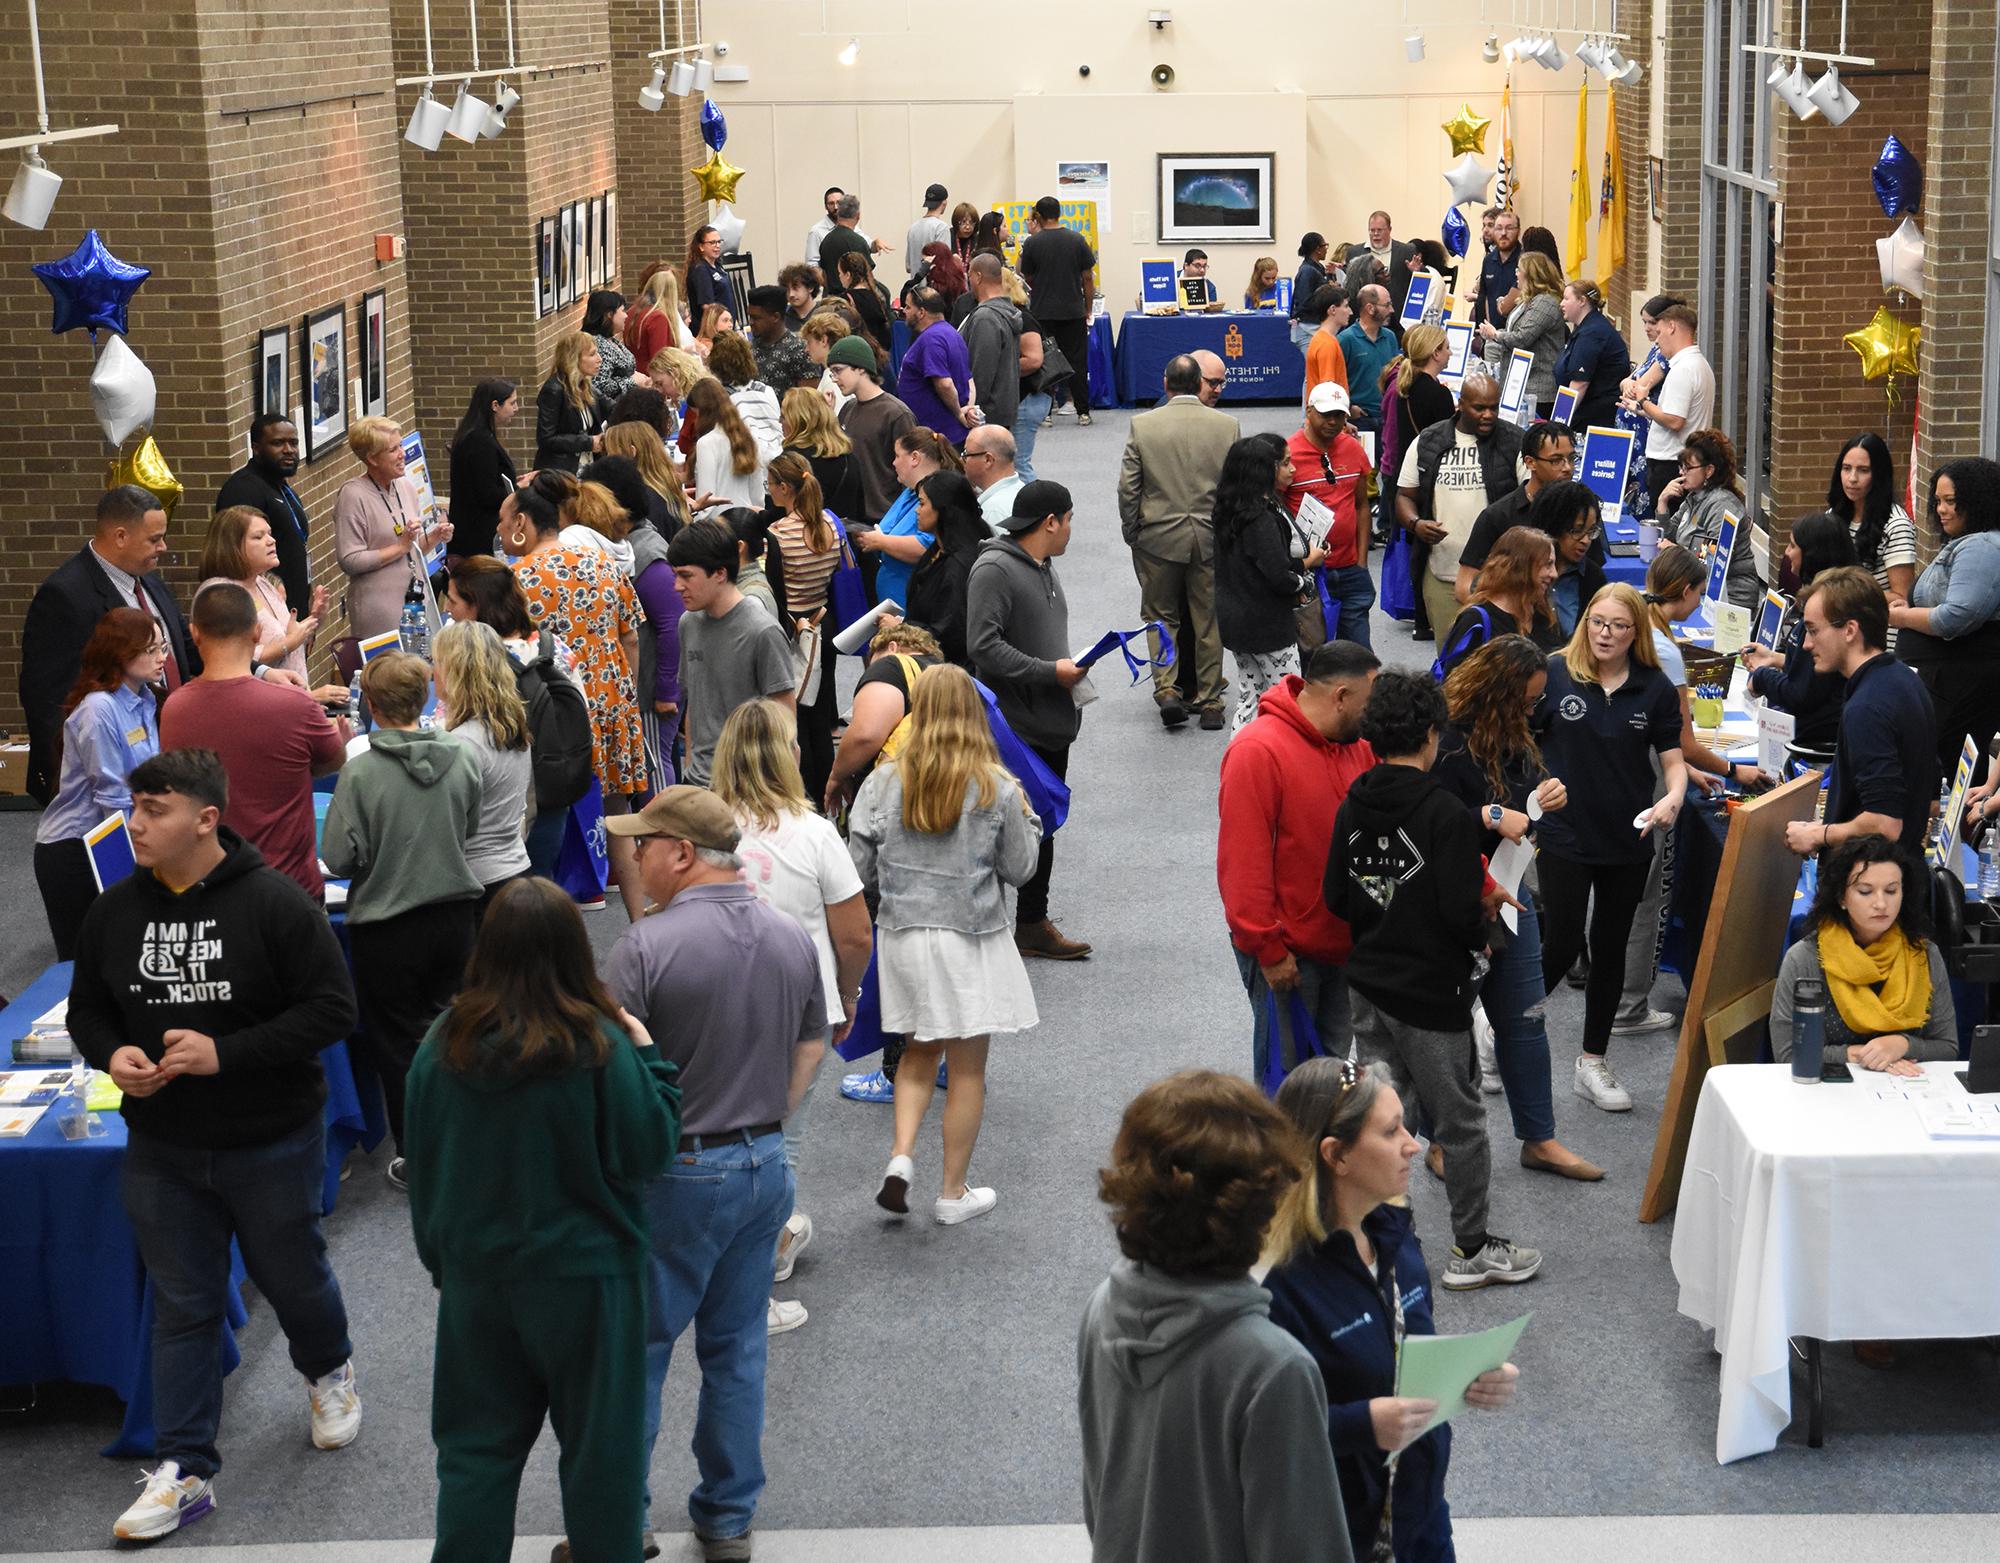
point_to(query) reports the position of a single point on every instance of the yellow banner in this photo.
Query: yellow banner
(1080, 216)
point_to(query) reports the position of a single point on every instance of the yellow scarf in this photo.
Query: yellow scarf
(1879, 989)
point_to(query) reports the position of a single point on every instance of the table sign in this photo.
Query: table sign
(1775, 731)
(1458, 337)
(1601, 467)
(1415, 302)
(1156, 287)
(1564, 410)
(1732, 627)
(1515, 407)
(375, 645)
(1940, 849)
(1771, 619)
(1195, 293)
(108, 844)
(1718, 564)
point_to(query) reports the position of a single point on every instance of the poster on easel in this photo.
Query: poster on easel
(1077, 216)
(1601, 467)
(1458, 339)
(1516, 407)
(1157, 294)
(1944, 845)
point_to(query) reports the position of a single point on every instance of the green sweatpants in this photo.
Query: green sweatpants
(510, 1351)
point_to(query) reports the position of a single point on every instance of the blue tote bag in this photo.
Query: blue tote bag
(1399, 587)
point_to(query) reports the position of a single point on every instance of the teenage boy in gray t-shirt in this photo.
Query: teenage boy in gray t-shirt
(731, 649)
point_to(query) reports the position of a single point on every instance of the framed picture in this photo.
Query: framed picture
(586, 223)
(566, 257)
(323, 378)
(545, 266)
(1656, 183)
(1217, 198)
(374, 363)
(610, 236)
(274, 370)
(579, 217)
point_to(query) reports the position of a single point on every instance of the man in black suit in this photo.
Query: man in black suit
(263, 484)
(113, 570)
(1391, 252)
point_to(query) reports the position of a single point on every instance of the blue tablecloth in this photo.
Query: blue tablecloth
(1629, 568)
(1103, 375)
(1256, 350)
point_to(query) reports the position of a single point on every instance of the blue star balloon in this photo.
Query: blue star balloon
(1898, 180)
(1457, 236)
(714, 128)
(91, 287)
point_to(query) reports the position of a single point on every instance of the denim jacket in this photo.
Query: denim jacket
(951, 880)
(1961, 585)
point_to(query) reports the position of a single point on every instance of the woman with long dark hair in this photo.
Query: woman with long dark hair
(537, 1112)
(948, 509)
(1259, 578)
(1786, 677)
(1951, 622)
(1573, 518)
(111, 723)
(964, 231)
(1862, 493)
(604, 317)
(482, 472)
(728, 462)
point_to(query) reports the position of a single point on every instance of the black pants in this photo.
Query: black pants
(1073, 337)
(1567, 886)
(816, 721)
(1033, 905)
(1658, 475)
(486, 896)
(406, 969)
(62, 871)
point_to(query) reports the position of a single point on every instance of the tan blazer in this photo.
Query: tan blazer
(1166, 483)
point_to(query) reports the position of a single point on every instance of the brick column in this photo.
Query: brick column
(1635, 113)
(1680, 141)
(658, 206)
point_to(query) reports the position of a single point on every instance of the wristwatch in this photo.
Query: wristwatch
(1494, 814)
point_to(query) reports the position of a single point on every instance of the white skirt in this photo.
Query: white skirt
(937, 983)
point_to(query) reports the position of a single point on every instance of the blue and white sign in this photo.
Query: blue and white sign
(1601, 467)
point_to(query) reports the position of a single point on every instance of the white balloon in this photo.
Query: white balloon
(730, 226)
(1468, 178)
(1902, 258)
(122, 392)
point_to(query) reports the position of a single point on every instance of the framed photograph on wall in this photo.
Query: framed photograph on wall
(578, 215)
(610, 236)
(593, 261)
(545, 266)
(565, 257)
(323, 379)
(1656, 182)
(1217, 198)
(374, 362)
(274, 371)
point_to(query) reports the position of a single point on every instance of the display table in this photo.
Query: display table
(1103, 376)
(1626, 567)
(1256, 351)
(1822, 1211)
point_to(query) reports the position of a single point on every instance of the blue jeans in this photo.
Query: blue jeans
(1027, 425)
(1353, 588)
(185, 1205)
(1520, 1039)
(1323, 987)
(545, 839)
(714, 1217)
(1302, 334)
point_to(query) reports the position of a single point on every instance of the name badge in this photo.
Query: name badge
(136, 735)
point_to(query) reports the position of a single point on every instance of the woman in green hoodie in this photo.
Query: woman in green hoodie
(398, 828)
(538, 1112)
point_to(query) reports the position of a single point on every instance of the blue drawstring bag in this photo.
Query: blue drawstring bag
(583, 863)
(846, 596)
(1329, 605)
(1305, 1039)
(866, 1035)
(1399, 588)
(1048, 793)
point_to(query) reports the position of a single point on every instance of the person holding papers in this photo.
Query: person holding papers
(1351, 1286)
(1535, 324)
(1263, 567)
(1329, 471)
(1691, 510)
(377, 519)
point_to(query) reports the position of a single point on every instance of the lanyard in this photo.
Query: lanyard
(1383, 1550)
(392, 506)
(293, 510)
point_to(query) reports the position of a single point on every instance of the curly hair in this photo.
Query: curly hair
(1404, 711)
(1975, 486)
(1713, 449)
(1197, 1172)
(1839, 865)
(1487, 696)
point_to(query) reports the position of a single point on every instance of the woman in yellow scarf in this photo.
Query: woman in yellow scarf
(1867, 938)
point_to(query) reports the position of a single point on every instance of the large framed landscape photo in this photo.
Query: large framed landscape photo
(1217, 198)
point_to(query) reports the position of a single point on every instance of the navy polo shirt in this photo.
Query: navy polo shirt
(1498, 276)
(1601, 747)
(1886, 761)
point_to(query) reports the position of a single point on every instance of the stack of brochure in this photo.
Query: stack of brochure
(47, 1041)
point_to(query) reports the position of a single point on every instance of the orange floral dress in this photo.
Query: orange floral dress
(584, 599)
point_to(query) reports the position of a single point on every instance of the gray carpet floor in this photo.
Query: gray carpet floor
(934, 1383)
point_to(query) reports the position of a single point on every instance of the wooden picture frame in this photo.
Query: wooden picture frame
(270, 390)
(1656, 187)
(323, 379)
(374, 354)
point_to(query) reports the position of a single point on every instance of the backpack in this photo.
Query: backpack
(1448, 655)
(559, 737)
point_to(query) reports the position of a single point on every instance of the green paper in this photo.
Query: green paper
(104, 1095)
(1442, 1367)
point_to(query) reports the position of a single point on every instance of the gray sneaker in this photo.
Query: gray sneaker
(1499, 1261)
(1639, 1025)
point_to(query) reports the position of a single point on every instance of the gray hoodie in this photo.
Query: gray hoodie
(399, 822)
(1017, 630)
(1204, 1427)
(992, 335)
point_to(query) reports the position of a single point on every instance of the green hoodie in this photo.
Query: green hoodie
(536, 1176)
(399, 821)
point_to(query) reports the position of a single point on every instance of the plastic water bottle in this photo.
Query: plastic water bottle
(354, 701)
(1989, 866)
(1808, 1030)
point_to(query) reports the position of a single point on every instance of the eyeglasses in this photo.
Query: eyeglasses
(1584, 531)
(1566, 459)
(1215, 382)
(1609, 626)
(1688, 463)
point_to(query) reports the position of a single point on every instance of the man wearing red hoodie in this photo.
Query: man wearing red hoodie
(1283, 779)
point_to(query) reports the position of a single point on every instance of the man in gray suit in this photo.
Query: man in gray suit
(1392, 253)
(1166, 501)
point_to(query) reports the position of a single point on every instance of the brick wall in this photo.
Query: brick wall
(1680, 141)
(658, 207)
(1635, 104)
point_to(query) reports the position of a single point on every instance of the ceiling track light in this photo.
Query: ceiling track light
(1413, 45)
(653, 96)
(851, 53)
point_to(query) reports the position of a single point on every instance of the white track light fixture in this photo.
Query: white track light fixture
(1831, 97)
(680, 79)
(653, 96)
(503, 105)
(704, 74)
(851, 53)
(1489, 51)
(468, 114)
(1413, 45)
(427, 122)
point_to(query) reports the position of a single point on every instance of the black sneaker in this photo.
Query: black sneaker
(1579, 974)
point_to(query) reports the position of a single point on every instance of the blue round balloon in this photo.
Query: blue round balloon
(1898, 180)
(91, 287)
(714, 128)
(1457, 236)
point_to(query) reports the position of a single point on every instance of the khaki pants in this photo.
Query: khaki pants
(1440, 604)
(1162, 583)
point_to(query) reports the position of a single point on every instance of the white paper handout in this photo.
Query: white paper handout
(1315, 519)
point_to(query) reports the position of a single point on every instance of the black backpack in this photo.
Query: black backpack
(559, 740)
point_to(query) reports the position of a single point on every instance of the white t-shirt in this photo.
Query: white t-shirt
(1672, 662)
(1687, 392)
(1459, 495)
(802, 867)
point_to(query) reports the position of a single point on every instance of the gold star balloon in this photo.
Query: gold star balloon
(1467, 131)
(1887, 345)
(717, 178)
(145, 466)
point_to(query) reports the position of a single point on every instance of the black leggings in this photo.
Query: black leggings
(406, 969)
(816, 721)
(1073, 337)
(1567, 887)
(62, 871)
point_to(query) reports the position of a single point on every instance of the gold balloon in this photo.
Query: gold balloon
(1887, 345)
(717, 178)
(1467, 131)
(145, 466)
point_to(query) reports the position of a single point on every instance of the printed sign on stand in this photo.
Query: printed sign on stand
(1564, 410)
(1601, 467)
(1515, 405)
(1417, 300)
(1157, 294)
(1458, 337)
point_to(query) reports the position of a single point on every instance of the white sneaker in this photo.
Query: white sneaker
(973, 1202)
(1482, 1044)
(782, 1316)
(170, 1501)
(336, 1408)
(798, 1232)
(894, 1194)
(1651, 1020)
(1597, 1085)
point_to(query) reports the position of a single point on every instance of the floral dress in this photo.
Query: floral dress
(1638, 503)
(584, 599)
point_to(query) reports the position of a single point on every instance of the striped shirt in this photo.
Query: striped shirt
(806, 572)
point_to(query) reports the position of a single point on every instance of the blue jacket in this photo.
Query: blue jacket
(1328, 1299)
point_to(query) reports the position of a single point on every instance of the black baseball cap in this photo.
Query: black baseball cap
(1035, 502)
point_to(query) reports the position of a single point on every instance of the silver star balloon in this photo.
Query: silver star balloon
(1902, 258)
(1468, 178)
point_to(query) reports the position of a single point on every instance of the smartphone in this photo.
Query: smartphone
(1836, 1074)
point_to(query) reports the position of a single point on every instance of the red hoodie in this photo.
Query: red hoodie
(1282, 784)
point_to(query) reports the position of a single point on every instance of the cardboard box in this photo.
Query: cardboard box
(14, 766)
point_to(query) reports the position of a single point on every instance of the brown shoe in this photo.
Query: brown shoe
(1044, 939)
(1434, 1159)
(1579, 1169)
(1211, 719)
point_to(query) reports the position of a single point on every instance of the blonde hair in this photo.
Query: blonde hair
(368, 435)
(662, 290)
(680, 366)
(567, 370)
(596, 507)
(810, 425)
(1539, 275)
(824, 326)
(640, 442)
(222, 553)
(1017, 290)
(711, 326)
(754, 771)
(1257, 270)
(1577, 655)
(950, 746)
(793, 470)
(718, 412)
(473, 669)
(396, 683)
(1420, 346)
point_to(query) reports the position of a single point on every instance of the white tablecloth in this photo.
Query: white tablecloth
(1822, 1211)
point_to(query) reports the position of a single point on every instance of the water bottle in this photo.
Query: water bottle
(354, 701)
(1808, 1030)
(1989, 866)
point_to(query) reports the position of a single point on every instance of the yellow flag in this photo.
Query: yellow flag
(1611, 198)
(1577, 245)
(1508, 184)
